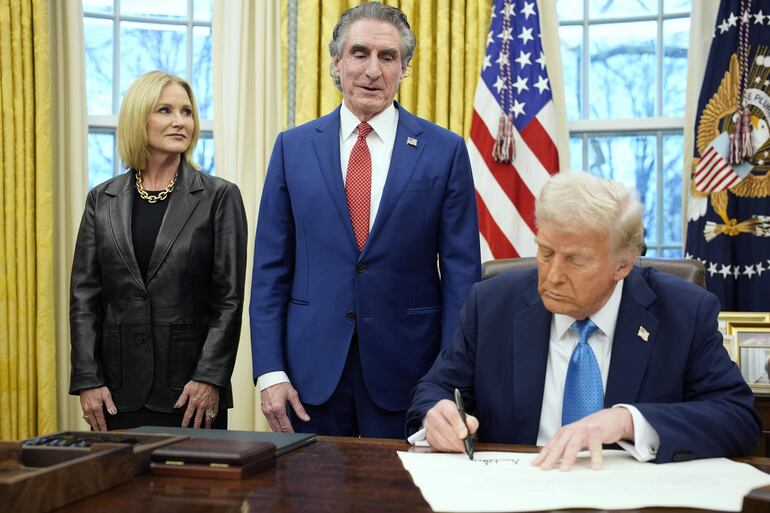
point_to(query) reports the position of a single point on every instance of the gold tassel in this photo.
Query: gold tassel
(504, 151)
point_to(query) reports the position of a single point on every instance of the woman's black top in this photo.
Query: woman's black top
(146, 218)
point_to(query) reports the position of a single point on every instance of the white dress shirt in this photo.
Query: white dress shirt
(380, 142)
(562, 343)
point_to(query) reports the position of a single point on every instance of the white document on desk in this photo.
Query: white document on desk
(506, 481)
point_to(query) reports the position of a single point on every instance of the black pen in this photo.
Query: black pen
(468, 440)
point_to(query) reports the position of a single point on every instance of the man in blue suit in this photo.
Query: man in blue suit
(589, 350)
(366, 246)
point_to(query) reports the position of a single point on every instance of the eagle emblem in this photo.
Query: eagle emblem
(712, 175)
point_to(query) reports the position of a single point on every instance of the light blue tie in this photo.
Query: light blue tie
(583, 393)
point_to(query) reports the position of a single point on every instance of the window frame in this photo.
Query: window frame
(659, 126)
(108, 124)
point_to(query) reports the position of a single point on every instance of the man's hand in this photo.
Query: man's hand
(445, 431)
(274, 399)
(202, 403)
(92, 402)
(603, 427)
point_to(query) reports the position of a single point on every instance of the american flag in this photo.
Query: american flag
(728, 209)
(514, 81)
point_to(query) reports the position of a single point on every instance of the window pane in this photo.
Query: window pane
(101, 157)
(621, 8)
(149, 46)
(572, 64)
(201, 73)
(202, 10)
(204, 153)
(671, 252)
(622, 70)
(676, 6)
(100, 6)
(631, 160)
(168, 9)
(97, 35)
(676, 39)
(672, 188)
(576, 153)
(569, 9)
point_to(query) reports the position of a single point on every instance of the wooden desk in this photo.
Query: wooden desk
(762, 407)
(333, 475)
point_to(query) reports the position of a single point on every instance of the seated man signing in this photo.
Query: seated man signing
(589, 350)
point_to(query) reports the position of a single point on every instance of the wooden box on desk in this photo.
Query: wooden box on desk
(142, 444)
(212, 458)
(39, 479)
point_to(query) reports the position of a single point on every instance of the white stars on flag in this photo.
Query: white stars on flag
(505, 34)
(541, 84)
(507, 10)
(526, 35)
(523, 59)
(726, 24)
(733, 271)
(528, 9)
(521, 84)
(518, 108)
(499, 85)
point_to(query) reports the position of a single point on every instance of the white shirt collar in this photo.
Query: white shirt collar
(605, 319)
(384, 124)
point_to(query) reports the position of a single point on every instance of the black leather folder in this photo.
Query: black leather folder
(284, 442)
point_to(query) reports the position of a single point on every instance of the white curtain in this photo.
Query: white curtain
(70, 167)
(702, 19)
(247, 92)
(549, 30)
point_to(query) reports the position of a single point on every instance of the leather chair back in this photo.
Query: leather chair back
(685, 268)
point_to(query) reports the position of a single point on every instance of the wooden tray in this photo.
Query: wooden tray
(70, 442)
(211, 458)
(39, 479)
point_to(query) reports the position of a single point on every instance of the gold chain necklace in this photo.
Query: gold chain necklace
(152, 198)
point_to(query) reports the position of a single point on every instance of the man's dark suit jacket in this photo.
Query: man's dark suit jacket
(145, 339)
(681, 379)
(312, 287)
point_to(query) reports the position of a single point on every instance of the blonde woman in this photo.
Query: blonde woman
(158, 272)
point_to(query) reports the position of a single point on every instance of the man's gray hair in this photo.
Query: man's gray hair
(373, 11)
(576, 202)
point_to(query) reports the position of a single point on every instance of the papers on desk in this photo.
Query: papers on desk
(505, 481)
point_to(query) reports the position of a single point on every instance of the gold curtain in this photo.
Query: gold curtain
(451, 36)
(27, 333)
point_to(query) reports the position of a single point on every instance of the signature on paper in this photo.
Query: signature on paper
(495, 461)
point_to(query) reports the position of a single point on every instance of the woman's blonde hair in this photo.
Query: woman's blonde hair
(140, 100)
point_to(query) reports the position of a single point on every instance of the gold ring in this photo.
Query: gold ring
(85, 417)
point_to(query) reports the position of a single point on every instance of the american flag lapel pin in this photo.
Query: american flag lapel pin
(411, 141)
(643, 333)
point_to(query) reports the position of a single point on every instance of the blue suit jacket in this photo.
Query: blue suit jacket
(681, 379)
(312, 287)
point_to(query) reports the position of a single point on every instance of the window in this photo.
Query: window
(125, 38)
(625, 73)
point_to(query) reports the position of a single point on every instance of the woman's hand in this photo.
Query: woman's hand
(92, 402)
(202, 402)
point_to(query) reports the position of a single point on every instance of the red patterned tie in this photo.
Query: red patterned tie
(358, 185)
